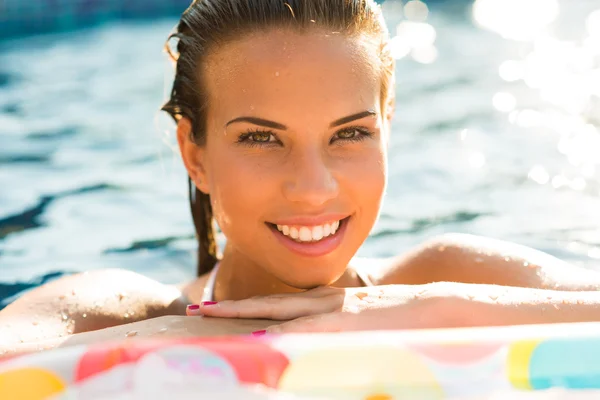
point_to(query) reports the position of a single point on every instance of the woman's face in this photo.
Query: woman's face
(295, 156)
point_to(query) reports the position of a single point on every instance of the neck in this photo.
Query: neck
(241, 278)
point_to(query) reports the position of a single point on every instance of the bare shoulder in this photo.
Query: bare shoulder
(85, 302)
(458, 257)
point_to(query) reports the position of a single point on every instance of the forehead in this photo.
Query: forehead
(316, 72)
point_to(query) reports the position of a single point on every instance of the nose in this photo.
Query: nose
(310, 180)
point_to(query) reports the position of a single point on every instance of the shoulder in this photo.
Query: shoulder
(421, 263)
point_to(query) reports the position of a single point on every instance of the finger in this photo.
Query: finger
(270, 307)
(329, 322)
(193, 310)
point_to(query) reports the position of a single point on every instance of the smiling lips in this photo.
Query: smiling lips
(311, 239)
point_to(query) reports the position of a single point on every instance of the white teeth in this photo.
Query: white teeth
(293, 233)
(305, 234)
(309, 233)
(317, 233)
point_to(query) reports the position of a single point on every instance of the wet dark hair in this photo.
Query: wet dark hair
(207, 24)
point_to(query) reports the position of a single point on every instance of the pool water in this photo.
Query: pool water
(91, 178)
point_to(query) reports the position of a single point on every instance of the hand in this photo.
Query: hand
(335, 309)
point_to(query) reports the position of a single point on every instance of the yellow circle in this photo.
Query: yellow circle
(29, 384)
(517, 363)
(379, 397)
(377, 372)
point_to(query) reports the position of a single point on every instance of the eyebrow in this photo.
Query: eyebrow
(353, 117)
(276, 125)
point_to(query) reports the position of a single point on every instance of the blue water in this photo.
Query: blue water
(90, 177)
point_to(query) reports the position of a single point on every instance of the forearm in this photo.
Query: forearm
(490, 305)
(162, 327)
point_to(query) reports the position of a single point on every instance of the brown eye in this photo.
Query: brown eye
(261, 137)
(348, 134)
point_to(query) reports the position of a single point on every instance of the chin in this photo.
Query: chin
(305, 280)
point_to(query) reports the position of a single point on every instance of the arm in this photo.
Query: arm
(86, 302)
(474, 259)
(489, 305)
(167, 326)
(434, 305)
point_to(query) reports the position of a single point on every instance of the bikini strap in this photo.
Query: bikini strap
(209, 288)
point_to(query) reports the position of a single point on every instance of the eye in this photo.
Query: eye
(261, 137)
(257, 138)
(352, 134)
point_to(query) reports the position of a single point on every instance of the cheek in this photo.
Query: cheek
(239, 190)
(364, 176)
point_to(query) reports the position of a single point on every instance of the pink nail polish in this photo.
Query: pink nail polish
(259, 333)
(193, 307)
(208, 303)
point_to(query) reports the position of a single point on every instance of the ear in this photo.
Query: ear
(193, 155)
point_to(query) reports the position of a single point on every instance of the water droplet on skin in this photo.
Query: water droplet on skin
(64, 316)
(84, 315)
(131, 334)
(162, 330)
(126, 315)
(507, 259)
(361, 295)
(526, 264)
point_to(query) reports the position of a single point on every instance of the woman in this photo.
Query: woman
(283, 114)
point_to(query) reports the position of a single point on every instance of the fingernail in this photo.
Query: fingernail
(193, 306)
(208, 303)
(259, 333)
